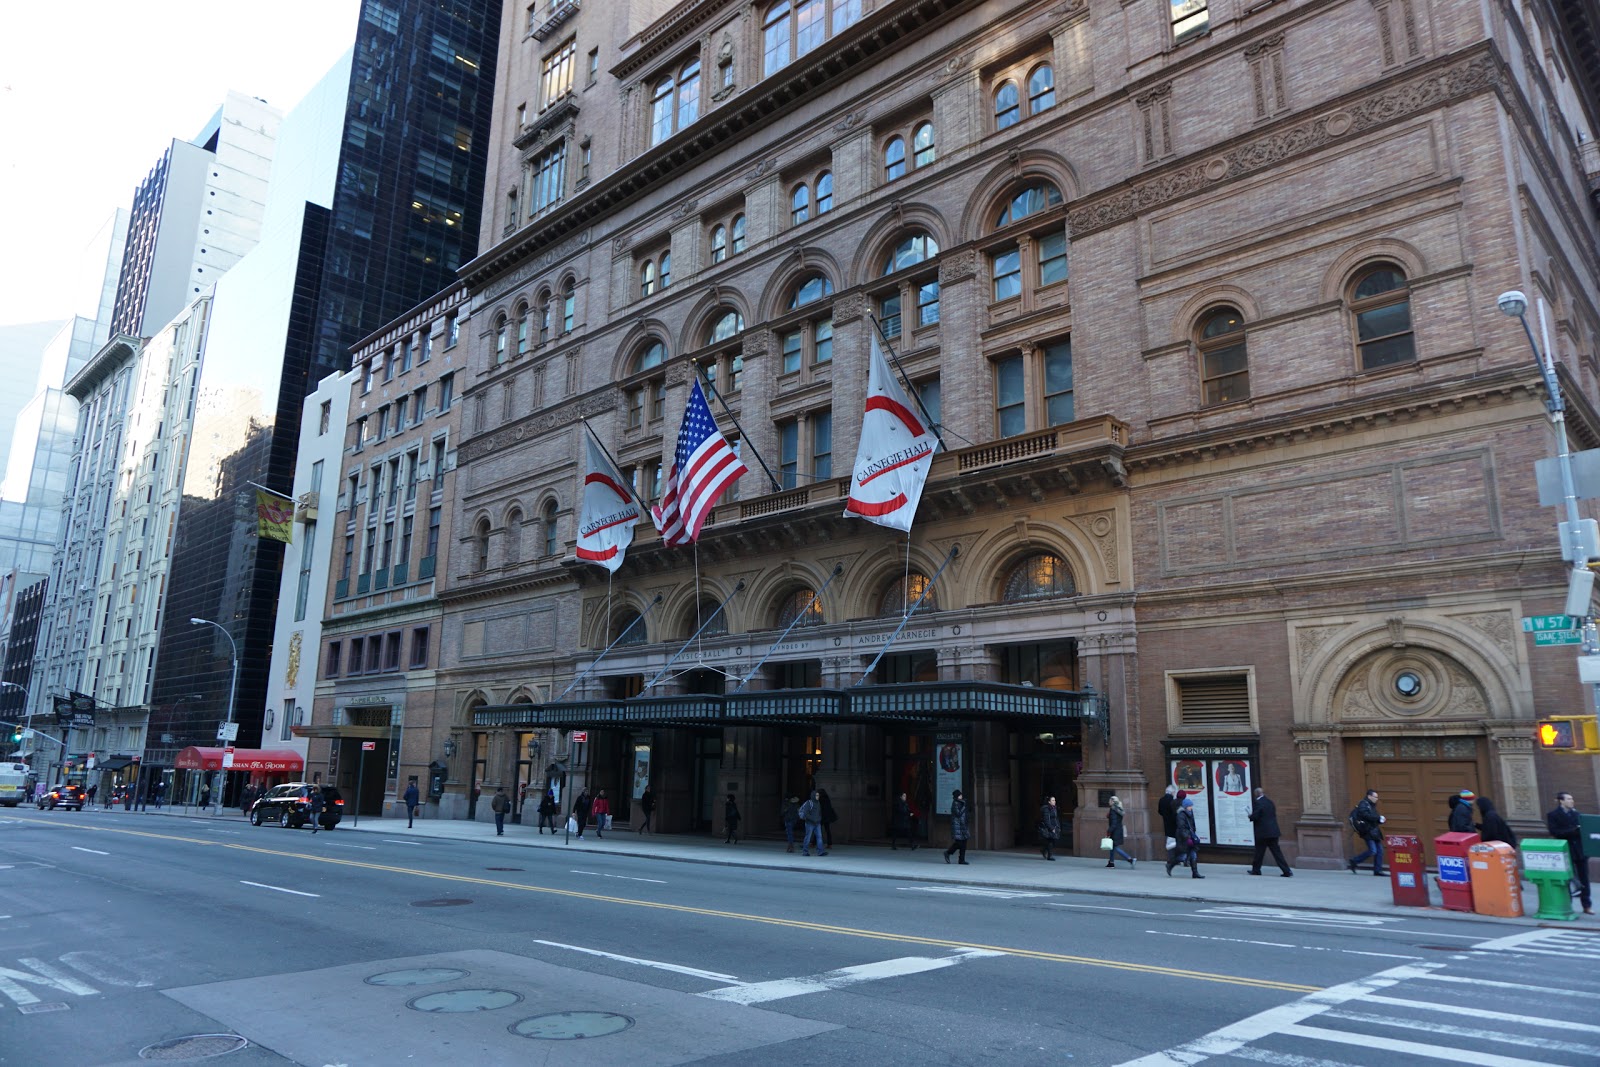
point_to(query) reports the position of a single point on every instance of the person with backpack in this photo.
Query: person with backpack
(1187, 851)
(811, 815)
(1368, 827)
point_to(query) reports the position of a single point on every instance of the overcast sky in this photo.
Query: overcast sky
(91, 93)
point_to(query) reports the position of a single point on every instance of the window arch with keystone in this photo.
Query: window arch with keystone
(674, 100)
(569, 305)
(805, 337)
(522, 328)
(723, 358)
(548, 529)
(500, 329)
(1021, 92)
(647, 390)
(911, 301)
(655, 272)
(1039, 576)
(1028, 253)
(480, 545)
(903, 592)
(698, 615)
(726, 237)
(798, 604)
(638, 635)
(1380, 303)
(1224, 363)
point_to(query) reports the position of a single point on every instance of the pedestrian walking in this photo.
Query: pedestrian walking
(960, 832)
(829, 816)
(1048, 828)
(789, 815)
(1461, 812)
(1264, 819)
(412, 799)
(205, 794)
(903, 823)
(500, 804)
(1167, 808)
(89, 795)
(811, 815)
(1368, 826)
(1563, 824)
(315, 805)
(647, 805)
(1187, 850)
(580, 810)
(548, 810)
(601, 810)
(730, 821)
(1116, 830)
(1493, 827)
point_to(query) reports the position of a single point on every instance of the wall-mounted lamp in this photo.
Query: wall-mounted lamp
(449, 747)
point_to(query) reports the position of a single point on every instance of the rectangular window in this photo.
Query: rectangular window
(383, 424)
(1008, 274)
(1190, 18)
(405, 543)
(447, 391)
(400, 413)
(326, 417)
(371, 550)
(823, 338)
(555, 78)
(452, 329)
(366, 376)
(388, 546)
(374, 653)
(658, 399)
(1058, 383)
(388, 365)
(1214, 701)
(594, 65)
(405, 355)
(353, 664)
(394, 481)
(792, 344)
(361, 433)
(427, 347)
(549, 179)
(432, 548)
(438, 462)
(928, 393)
(822, 445)
(1052, 259)
(391, 651)
(413, 462)
(419, 404)
(635, 408)
(349, 557)
(789, 454)
(889, 316)
(286, 727)
(419, 647)
(1010, 397)
(308, 547)
(927, 303)
(331, 666)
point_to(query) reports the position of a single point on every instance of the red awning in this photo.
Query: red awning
(244, 759)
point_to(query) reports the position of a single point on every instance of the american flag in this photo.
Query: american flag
(702, 469)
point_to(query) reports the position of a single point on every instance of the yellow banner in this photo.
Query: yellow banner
(274, 517)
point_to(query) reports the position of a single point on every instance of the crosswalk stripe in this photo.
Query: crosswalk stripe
(1414, 1048)
(1483, 1013)
(1286, 1059)
(1526, 1040)
(1480, 983)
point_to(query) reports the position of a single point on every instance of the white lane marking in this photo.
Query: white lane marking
(42, 974)
(1482, 982)
(1286, 1059)
(337, 844)
(1331, 923)
(973, 891)
(97, 852)
(657, 964)
(1106, 907)
(1282, 944)
(622, 877)
(397, 841)
(1564, 943)
(1229, 1039)
(1485, 1014)
(278, 889)
(783, 988)
(1414, 1048)
(107, 969)
(1472, 1032)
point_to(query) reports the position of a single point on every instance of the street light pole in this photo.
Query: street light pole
(233, 688)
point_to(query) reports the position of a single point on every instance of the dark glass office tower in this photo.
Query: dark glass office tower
(402, 203)
(411, 171)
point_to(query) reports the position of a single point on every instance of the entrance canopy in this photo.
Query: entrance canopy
(925, 702)
(244, 759)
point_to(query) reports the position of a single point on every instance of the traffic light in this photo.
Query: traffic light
(1576, 734)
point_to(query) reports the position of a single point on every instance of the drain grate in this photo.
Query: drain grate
(194, 1047)
(571, 1025)
(29, 1009)
(464, 1000)
(442, 902)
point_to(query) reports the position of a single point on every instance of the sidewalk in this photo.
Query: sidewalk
(1016, 871)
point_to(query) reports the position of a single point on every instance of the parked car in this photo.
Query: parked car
(63, 796)
(290, 805)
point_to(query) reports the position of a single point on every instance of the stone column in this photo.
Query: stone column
(1319, 836)
(1517, 784)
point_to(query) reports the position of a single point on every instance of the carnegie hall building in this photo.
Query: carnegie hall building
(1237, 485)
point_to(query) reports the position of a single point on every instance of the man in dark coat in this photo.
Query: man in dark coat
(901, 824)
(412, 798)
(1264, 818)
(1562, 822)
(1493, 827)
(1049, 828)
(1461, 812)
(1187, 851)
(580, 810)
(1368, 825)
(1167, 808)
(959, 833)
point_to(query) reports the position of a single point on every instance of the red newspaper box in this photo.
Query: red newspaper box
(1455, 882)
(1407, 878)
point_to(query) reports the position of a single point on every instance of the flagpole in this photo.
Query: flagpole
(694, 635)
(606, 451)
(838, 569)
(707, 382)
(905, 379)
(625, 631)
(955, 550)
(269, 489)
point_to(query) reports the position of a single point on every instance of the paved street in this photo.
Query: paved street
(371, 945)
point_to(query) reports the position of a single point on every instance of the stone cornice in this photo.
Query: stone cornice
(535, 425)
(1429, 87)
(493, 588)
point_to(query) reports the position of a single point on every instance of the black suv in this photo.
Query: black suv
(290, 805)
(63, 796)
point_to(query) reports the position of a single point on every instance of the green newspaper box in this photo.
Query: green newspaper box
(1548, 865)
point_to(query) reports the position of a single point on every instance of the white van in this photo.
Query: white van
(13, 783)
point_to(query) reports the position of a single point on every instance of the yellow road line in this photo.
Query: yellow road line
(769, 920)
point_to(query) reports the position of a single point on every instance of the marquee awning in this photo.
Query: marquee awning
(244, 759)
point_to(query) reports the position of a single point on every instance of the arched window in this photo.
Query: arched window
(809, 290)
(522, 329)
(894, 159)
(511, 208)
(569, 305)
(1041, 88)
(500, 339)
(718, 626)
(652, 356)
(647, 278)
(688, 93)
(666, 269)
(480, 544)
(824, 192)
(1381, 300)
(911, 251)
(799, 204)
(1031, 200)
(903, 592)
(922, 150)
(514, 536)
(620, 626)
(725, 326)
(661, 111)
(544, 316)
(1007, 106)
(1043, 574)
(737, 245)
(719, 243)
(800, 605)
(1224, 368)
(547, 524)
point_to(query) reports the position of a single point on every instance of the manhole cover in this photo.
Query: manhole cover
(195, 1047)
(572, 1025)
(442, 902)
(418, 976)
(505, 868)
(29, 1009)
(459, 1000)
